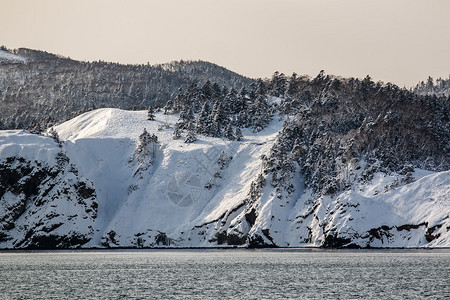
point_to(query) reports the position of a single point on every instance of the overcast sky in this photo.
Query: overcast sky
(402, 41)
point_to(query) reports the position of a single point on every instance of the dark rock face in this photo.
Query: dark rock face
(384, 233)
(430, 235)
(41, 205)
(230, 239)
(334, 241)
(57, 242)
(380, 232)
(257, 241)
(162, 239)
(250, 217)
(109, 240)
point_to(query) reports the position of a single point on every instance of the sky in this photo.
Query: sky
(401, 41)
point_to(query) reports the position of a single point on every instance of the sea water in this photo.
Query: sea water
(226, 274)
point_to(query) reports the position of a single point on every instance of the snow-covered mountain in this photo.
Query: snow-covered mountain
(94, 189)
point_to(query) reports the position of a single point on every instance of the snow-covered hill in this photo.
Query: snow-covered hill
(91, 191)
(38, 88)
(7, 57)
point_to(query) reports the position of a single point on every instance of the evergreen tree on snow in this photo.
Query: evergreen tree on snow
(223, 161)
(194, 97)
(147, 147)
(54, 135)
(290, 103)
(206, 90)
(151, 114)
(242, 98)
(228, 134)
(296, 151)
(144, 140)
(238, 134)
(146, 152)
(61, 160)
(216, 92)
(176, 132)
(278, 84)
(35, 130)
(186, 117)
(231, 103)
(203, 120)
(261, 88)
(190, 126)
(154, 142)
(168, 108)
(261, 112)
(219, 120)
(190, 137)
(293, 85)
(179, 101)
(242, 119)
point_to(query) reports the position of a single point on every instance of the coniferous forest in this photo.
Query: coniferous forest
(43, 89)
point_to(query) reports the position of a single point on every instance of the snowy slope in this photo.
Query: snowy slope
(209, 193)
(171, 197)
(6, 57)
(416, 214)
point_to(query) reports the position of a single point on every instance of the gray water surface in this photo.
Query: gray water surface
(226, 274)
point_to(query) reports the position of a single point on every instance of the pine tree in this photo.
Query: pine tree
(278, 84)
(293, 85)
(261, 113)
(179, 102)
(251, 96)
(228, 134)
(35, 130)
(230, 103)
(238, 134)
(242, 119)
(168, 108)
(207, 90)
(242, 100)
(203, 120)
(54, 135)
(176, 132)
(151, 114)
(190, 126)
(219, 120)
(296, 151)
(216, 92)
(430, 84)
(261, 88)
(61, 160)
(190, 137)
(153, 138)
(223, 161)
(144, 140)
(194, 97)
(285, 105)
(186, 117)
(147, 148)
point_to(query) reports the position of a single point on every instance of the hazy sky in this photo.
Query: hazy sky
(402, 41)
